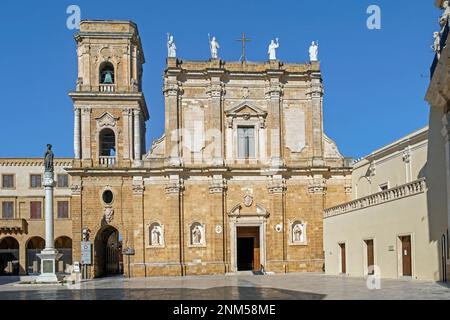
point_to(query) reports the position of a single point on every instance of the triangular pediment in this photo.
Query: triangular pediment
(107, 119)
(246, 109)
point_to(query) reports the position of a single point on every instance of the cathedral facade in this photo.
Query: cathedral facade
(238, 182)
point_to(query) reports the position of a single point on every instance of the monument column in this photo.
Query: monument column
(49, 255)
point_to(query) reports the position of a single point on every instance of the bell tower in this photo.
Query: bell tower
(109, 106)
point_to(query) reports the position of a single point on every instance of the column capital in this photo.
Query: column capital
(218, 185)
(86, 110)
(171, 89)
(277, 185)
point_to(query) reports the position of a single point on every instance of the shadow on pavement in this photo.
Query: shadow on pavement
(219, 293)
(9, 279)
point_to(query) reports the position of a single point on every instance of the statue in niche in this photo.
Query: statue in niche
(157, 236)
(48, 159)
(297, 233)
(197, 235)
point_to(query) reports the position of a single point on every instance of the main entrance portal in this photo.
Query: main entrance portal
(248, 249)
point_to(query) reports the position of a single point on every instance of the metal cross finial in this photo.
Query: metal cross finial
(243, 40)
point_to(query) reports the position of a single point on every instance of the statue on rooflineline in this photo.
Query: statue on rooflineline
(171, 47)
(48, 159)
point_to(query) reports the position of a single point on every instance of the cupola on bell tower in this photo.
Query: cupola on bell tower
(109, 106)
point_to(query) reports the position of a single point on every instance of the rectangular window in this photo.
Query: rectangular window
(8, 210)
(63, 180)
(8, 181)
(246, 142)
(35, 210)
(63, 209)
(35, 181)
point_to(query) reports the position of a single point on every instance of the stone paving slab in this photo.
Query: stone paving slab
(275, 287)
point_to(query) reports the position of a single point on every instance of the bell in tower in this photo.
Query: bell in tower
(108, 77)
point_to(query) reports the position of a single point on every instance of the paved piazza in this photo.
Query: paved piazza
(242, 287)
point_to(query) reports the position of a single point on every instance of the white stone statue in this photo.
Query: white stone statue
(171, 47)
(197, 235)
(214, 46)
(273, 46)
(437, 43)
(157, 236)
(314, 52)
(298, 233)
(446, 14)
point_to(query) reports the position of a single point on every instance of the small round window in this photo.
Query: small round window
(108, 197)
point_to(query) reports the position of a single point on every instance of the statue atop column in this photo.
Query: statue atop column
(314, 52)
(171, 47)
(214, 47)
(273, 46)
(48, 159)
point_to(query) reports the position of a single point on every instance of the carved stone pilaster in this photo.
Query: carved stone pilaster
(446, 127)
(138, 190)
(317, 186)
(348, 189)
(77, 189)
(274, 91)
(277, 186)
(372, 169)
(406, 156)
(218, 185)
(175, 186)
(215, 90)
(172, 89)
(316, 91)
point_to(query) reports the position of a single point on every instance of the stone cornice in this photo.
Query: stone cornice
(33, 162)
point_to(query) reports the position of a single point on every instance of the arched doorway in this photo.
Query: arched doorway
(34, 246)
(9, 257)
(108, 252)
(64, 246)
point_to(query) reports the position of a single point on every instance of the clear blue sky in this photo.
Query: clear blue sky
(375, 81)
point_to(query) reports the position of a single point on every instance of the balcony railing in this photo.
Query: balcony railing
(108, 88)
(443, 44)
(107, 162)
(407, 190)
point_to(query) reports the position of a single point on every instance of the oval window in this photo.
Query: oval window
(108, 197)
